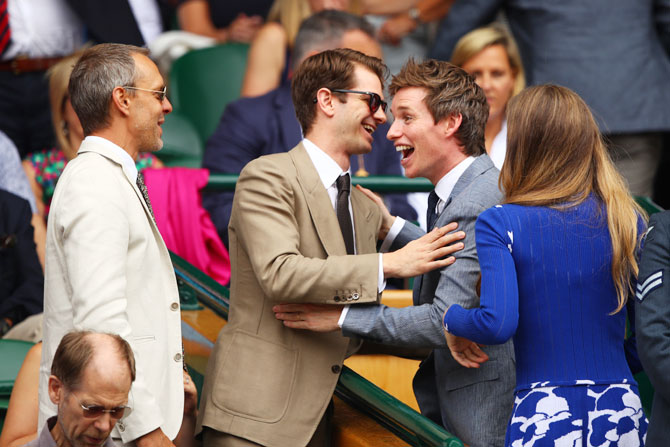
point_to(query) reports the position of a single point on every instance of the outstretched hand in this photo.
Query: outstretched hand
(387, 218)
(427, 253)
(314, 317)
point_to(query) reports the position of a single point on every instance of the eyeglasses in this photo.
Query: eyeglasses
(374, 100)
(95, 411)
(160, 94)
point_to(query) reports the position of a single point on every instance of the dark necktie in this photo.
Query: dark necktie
(342, 210)
(145, 193)
(5, 32)
(431, 215)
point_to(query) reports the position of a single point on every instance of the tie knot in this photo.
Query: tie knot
(343, 183)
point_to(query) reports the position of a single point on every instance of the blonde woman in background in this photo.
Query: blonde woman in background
(492, 57)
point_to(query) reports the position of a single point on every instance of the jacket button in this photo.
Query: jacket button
(355, 296)
(335, 369)
(337, 298)
(121, 426)
(174, 306)
(177, 357)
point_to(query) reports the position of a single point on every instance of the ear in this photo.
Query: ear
(121, 100)
(451, 124)
(56, 389)
(324, 100)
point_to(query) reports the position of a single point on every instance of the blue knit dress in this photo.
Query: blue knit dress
(546, 280)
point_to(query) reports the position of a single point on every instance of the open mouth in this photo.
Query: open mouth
(368, 128)
(407, 151)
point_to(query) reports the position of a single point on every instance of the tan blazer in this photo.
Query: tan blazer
(108, 270)
(265, 382)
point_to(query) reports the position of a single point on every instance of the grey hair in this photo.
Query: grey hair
(99, 70)
(324, 30)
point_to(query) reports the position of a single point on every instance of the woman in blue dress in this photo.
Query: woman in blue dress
(556, 260)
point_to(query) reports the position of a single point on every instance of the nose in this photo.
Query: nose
(484, 82)
(394, 131)
(379, 116)
(104, 423)
(167, 106)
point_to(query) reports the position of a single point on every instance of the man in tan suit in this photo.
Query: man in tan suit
(107, 268)
(267, 384)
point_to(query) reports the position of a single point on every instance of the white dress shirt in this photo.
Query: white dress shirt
(42, 28)
(126, 160)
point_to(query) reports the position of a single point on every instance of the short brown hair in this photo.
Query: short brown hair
(333, 69)
(450, 91)
(74, 353)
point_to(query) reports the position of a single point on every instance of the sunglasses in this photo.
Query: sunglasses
(374, 100)
(160, 94)
(95, 411)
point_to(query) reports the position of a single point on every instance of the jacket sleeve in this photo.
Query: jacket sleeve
(652, 306)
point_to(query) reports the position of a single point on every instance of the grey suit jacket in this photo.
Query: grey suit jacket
(608, 51)
(474, 404)
(652, 320)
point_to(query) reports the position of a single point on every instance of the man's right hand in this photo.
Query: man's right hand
(154, 438)
(424, 254)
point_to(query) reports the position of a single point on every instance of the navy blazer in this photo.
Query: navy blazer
(21, 277)
(608, 51)
(252, 127)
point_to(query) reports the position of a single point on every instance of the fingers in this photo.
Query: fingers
(288, 307)
(371, 195)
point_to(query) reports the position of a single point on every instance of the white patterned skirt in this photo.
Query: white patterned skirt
(581, 415)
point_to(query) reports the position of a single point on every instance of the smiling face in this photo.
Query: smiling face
(353, 120)
(148, 111)
(415, 133)
(494, 74)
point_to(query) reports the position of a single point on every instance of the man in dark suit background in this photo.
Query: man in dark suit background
(608, 51)
(652, 320)
(252, 127)
(21, 278)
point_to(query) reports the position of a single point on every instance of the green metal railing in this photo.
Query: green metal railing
(395, 416)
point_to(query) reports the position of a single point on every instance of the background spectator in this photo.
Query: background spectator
(224, 20)
(492, 57)
(583, 46)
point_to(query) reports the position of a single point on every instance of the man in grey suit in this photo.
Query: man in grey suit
(440, 115)
(608, 51)
(652, 320)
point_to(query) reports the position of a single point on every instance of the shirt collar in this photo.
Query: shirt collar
(127, 162)
(326, 167)
(446, 184)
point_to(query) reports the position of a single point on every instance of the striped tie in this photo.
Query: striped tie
(5, 32)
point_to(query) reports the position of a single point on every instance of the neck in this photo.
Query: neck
(493, 126)
(119, 137)
(328, 145)
(59, 436)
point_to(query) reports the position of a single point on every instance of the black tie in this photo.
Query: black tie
(342, 210)
(431, 215)
(5, 32)
(145, 193)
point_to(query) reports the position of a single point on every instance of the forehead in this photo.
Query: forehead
(146, 71)
(101, 385)
(409, 99)
(366, 80)
(491, 56)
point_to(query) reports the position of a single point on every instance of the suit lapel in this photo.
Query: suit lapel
(363, 212)
(318, 203)
(481, 164)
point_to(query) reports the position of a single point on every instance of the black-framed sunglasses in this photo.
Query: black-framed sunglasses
(374, 100)
(95, 411)
(160, 94)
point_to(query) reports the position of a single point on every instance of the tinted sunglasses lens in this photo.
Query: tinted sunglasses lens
(374, 102)
(97, 411)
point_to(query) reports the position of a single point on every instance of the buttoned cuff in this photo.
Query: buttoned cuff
(392, 234)
(343, 315)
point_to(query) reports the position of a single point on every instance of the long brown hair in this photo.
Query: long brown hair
(556, 157)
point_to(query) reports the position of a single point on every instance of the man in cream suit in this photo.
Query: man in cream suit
(440, 115)
(267, 384)
(107, 266)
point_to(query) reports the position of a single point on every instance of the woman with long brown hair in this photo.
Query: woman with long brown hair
(557, 259)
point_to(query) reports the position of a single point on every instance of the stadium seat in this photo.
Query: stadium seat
(203, 81)
(182, 145)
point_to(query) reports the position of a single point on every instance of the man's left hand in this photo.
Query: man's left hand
(314, 317)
